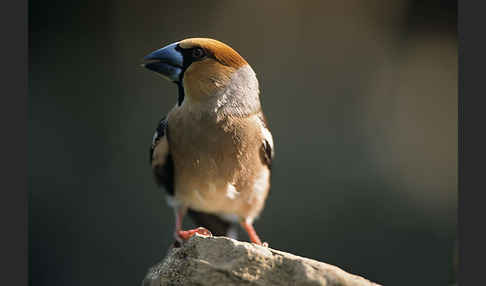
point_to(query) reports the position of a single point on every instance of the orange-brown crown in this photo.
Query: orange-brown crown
(220, 51)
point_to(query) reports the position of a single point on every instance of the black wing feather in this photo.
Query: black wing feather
(159, 133)
(266, 149)
(267, 154)
(163, 173)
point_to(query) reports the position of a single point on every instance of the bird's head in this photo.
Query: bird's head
(202, 67)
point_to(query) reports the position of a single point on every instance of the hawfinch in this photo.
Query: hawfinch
(213, 151)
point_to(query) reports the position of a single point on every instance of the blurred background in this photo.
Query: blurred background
(361, 97)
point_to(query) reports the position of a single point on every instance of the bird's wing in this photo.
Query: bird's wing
(267, 149)
(161, 159)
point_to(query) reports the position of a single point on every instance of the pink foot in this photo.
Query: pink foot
(186, 234)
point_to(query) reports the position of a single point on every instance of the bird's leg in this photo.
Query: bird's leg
(248, 226)
(179, 212)
(183, 235)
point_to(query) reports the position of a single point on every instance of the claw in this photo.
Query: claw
(186, 234)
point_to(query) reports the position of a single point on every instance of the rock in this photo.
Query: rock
(224, 261)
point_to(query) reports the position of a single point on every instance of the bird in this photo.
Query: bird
(213, 151)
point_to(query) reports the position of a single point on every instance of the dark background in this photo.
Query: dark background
(361, 97)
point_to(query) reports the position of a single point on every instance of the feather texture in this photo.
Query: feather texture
(213, 151)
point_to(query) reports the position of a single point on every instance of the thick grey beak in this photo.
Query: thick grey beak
(167, 61)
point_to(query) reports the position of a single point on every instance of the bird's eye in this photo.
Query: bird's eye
(198, 53)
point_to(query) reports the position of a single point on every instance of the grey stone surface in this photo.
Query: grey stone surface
(224, 261)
